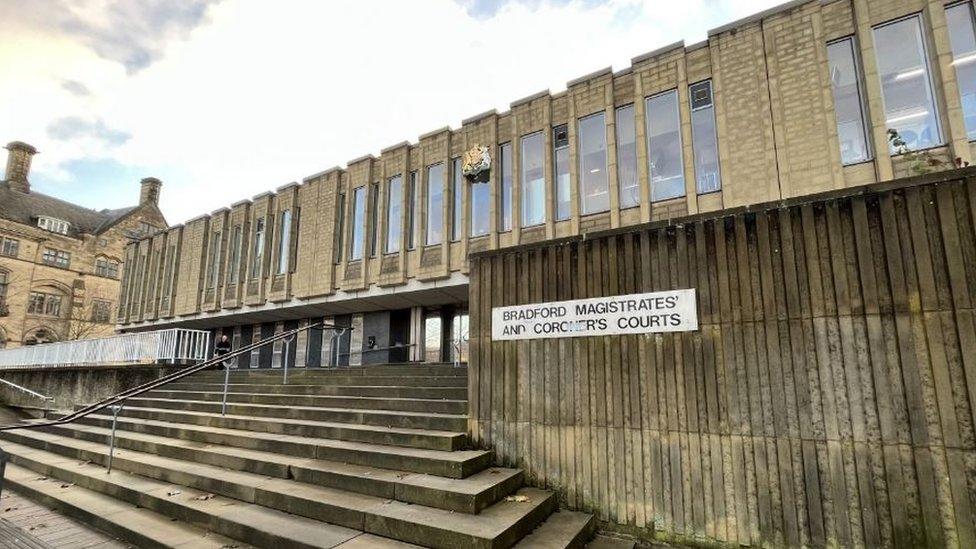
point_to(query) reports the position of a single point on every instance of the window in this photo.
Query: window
(146, 228)
(284, 242)
(56, 258)
(435, 204)
(44, 304)
(358, 223)
(340, 225)
(665, 163)
(457, 190)
(480, 207)
(627, 157)
(905, 84)
(106, 267)
(213, 266)
(412, 212)
(54, 225)
(704, 140)
(962, 36)
(9, 246)
(533, 180)
(171, 267)
(560, 156)
(505, 181)
(235, 255)
(4, 282)
(374, 218)
(257, 256)
(100, 311)
(394, 213)
(594, 186)
(845, 83)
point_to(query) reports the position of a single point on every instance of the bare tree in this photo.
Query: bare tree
(92, 317)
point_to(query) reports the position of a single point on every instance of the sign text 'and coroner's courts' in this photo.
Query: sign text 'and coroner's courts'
(670, 311)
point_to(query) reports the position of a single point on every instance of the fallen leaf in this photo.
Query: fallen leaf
(41, 478)
(517, 499)
(204, 497)
(10, 509)
(67, 485)
(174, 493)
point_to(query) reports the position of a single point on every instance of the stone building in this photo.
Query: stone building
(60, 263)
(793, 101)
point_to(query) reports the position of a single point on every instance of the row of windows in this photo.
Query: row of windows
(44, 304)
(54, 225)
(906, 83)
(236, 250)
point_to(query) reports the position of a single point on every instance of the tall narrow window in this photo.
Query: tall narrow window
(906, 85)
(257, 258)
(627, 157)
(340, 226)
(284, 242)
(358, 223)
(665, 163)
(457, 188)
(845, 83)
(394, 213)
(374, 218)
(560, 157)
(435, 204)
(480, 197)
(533, 180)
(171, 268)
(962, 36)
(594, 187)
(233, 266)
(214, 260)
(505, 182)
(412, 212)
(3, 289)
(704, 138)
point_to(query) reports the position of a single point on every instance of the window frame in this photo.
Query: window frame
(540, 134)
(106, 268)
(694, 136)
(9, 247)
(861, 96)
(256, 269)
(680, 147)
(963, 4)
(557, 151)
(440, 211)
(394, 207)
(581, 179)
(457, 199)
(616, 134)
(61, 258)
(357, 227)
(505, 188)
(284, 242)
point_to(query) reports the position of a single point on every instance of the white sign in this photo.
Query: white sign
(671, 311)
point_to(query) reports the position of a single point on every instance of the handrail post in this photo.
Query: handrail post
(284, 359)
(4, 457)
(111, 448)
(223, 406)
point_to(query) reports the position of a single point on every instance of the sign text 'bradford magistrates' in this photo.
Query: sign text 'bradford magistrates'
(672, 311)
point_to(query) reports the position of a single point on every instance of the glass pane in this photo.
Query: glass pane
(627, 157)
(533, 180)
(340, 226)
(505, 208)
(845, 84)
(594, 190)
(704, 141)
(432, 336)
(358, 223)
(435, 204)
(665, 163)
(963, 39)
(394, 211)
(374, 216)
(905, 86)
(284, 242)
(412, 211)
(560, 141)
(457, 189)
(480, 208)
(258, 252)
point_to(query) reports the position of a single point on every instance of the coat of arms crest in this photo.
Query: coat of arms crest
(476, 161)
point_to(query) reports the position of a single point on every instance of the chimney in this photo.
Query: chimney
(18, 165)
(149, 194)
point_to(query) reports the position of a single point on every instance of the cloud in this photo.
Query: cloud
(486, 9)
(75, 88)
(71, 128)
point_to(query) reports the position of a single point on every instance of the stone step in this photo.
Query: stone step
(295, 438)
(243, 376)
(373, 370)
(409, 420)
(607, 542)
(500, 525)
(469, 495)
(451, 393)
(260, 526)
(389, 403)
(142, 527)
(563, 529)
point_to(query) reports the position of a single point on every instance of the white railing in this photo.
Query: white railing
(173, 345)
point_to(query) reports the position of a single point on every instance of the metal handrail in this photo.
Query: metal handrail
(173, 345)
(117, 401)
(25, 389)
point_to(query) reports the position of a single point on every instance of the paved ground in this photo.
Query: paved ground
(52, 529)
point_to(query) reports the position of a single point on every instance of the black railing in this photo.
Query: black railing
(117, 402)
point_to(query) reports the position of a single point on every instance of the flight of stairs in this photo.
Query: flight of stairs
(354, 457)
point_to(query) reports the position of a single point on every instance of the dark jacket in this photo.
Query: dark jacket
(222, 347)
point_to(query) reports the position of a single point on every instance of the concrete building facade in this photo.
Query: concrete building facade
(807, 97)
(60, 263)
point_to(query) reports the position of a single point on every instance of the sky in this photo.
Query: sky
(226, 99)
